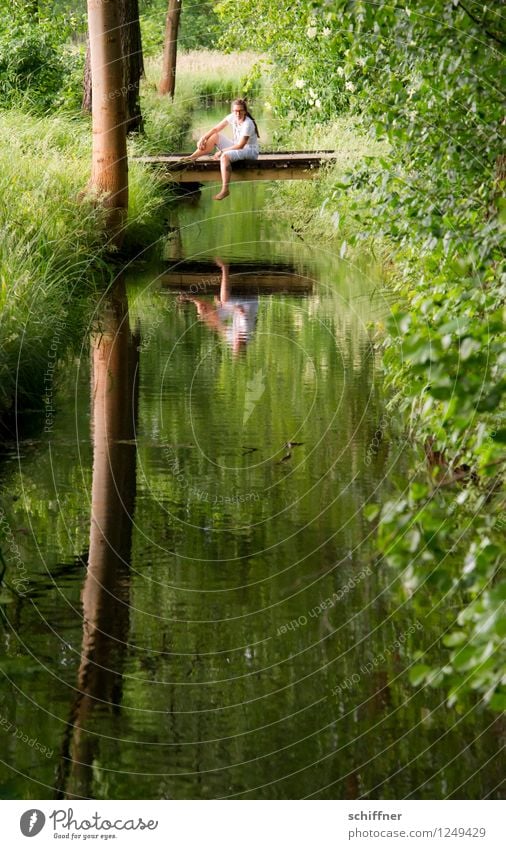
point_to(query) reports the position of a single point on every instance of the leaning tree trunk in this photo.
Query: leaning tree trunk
(133, 66)
(109, 174)
(168, 79)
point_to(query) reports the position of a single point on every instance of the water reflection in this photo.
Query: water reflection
(106, 589)
(237, 676)
(233, 319)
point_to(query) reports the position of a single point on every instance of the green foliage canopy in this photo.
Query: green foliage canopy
(39, 68)
(199, 25)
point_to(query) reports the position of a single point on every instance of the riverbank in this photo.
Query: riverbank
(250, 559)
(443, 359)
(53, 255)
(442, 348)
(325, 208)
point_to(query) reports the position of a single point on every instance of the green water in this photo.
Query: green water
(221, 628)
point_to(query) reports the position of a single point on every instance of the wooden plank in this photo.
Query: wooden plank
(240, 176)
(294, 165)
(241, 284)
(201, 278)
(238, 266)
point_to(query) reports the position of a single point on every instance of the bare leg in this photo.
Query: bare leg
(225, 281)
(207, 150)
(226, 171)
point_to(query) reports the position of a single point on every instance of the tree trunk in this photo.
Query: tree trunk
(133, 66)
(87, 86)
(109, 175)
(168, 80)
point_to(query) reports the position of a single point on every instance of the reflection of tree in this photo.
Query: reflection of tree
(105, 595)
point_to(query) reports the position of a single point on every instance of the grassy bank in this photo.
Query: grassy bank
(52, 254)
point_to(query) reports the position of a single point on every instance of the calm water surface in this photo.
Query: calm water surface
(205, 616)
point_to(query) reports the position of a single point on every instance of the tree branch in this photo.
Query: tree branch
(481, 25)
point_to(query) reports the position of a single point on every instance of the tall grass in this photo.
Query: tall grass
(212, 76)
(52, 252)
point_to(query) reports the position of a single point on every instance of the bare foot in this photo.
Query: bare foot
(223, 194)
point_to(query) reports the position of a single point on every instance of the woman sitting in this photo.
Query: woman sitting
(243, 146)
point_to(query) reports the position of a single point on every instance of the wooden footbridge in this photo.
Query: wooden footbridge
(202, 277)
(283, 165)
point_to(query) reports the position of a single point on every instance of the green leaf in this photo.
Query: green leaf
(418, 673)
(454, 639)
(371, 511)
(468, 347)
(498, 702)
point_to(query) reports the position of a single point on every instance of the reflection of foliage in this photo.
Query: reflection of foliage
(255, 388)
(424, 76)
(205, 659)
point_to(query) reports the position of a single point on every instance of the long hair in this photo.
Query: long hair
(243, 105)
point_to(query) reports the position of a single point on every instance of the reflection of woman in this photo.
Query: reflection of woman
(243, 146)
(234, 319)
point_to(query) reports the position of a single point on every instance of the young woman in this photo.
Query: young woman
(243, 146)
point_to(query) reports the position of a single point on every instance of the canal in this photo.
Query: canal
(203, 614)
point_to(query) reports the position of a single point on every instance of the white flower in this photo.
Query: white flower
(326, 32)
(300, 83)
(349, 86)
(318, 103)
(361, 61)
(312, 93)
(340, 71)
(311, 32)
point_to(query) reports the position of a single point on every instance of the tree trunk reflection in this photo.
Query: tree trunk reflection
(105, 595)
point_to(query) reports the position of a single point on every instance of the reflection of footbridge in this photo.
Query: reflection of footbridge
(203, 277)
(283, 165)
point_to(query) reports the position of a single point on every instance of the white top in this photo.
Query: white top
(243, 128)
(239, 316)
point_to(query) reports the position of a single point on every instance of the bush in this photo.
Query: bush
(39, 70)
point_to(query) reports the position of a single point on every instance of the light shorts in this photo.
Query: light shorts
(247, 152)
